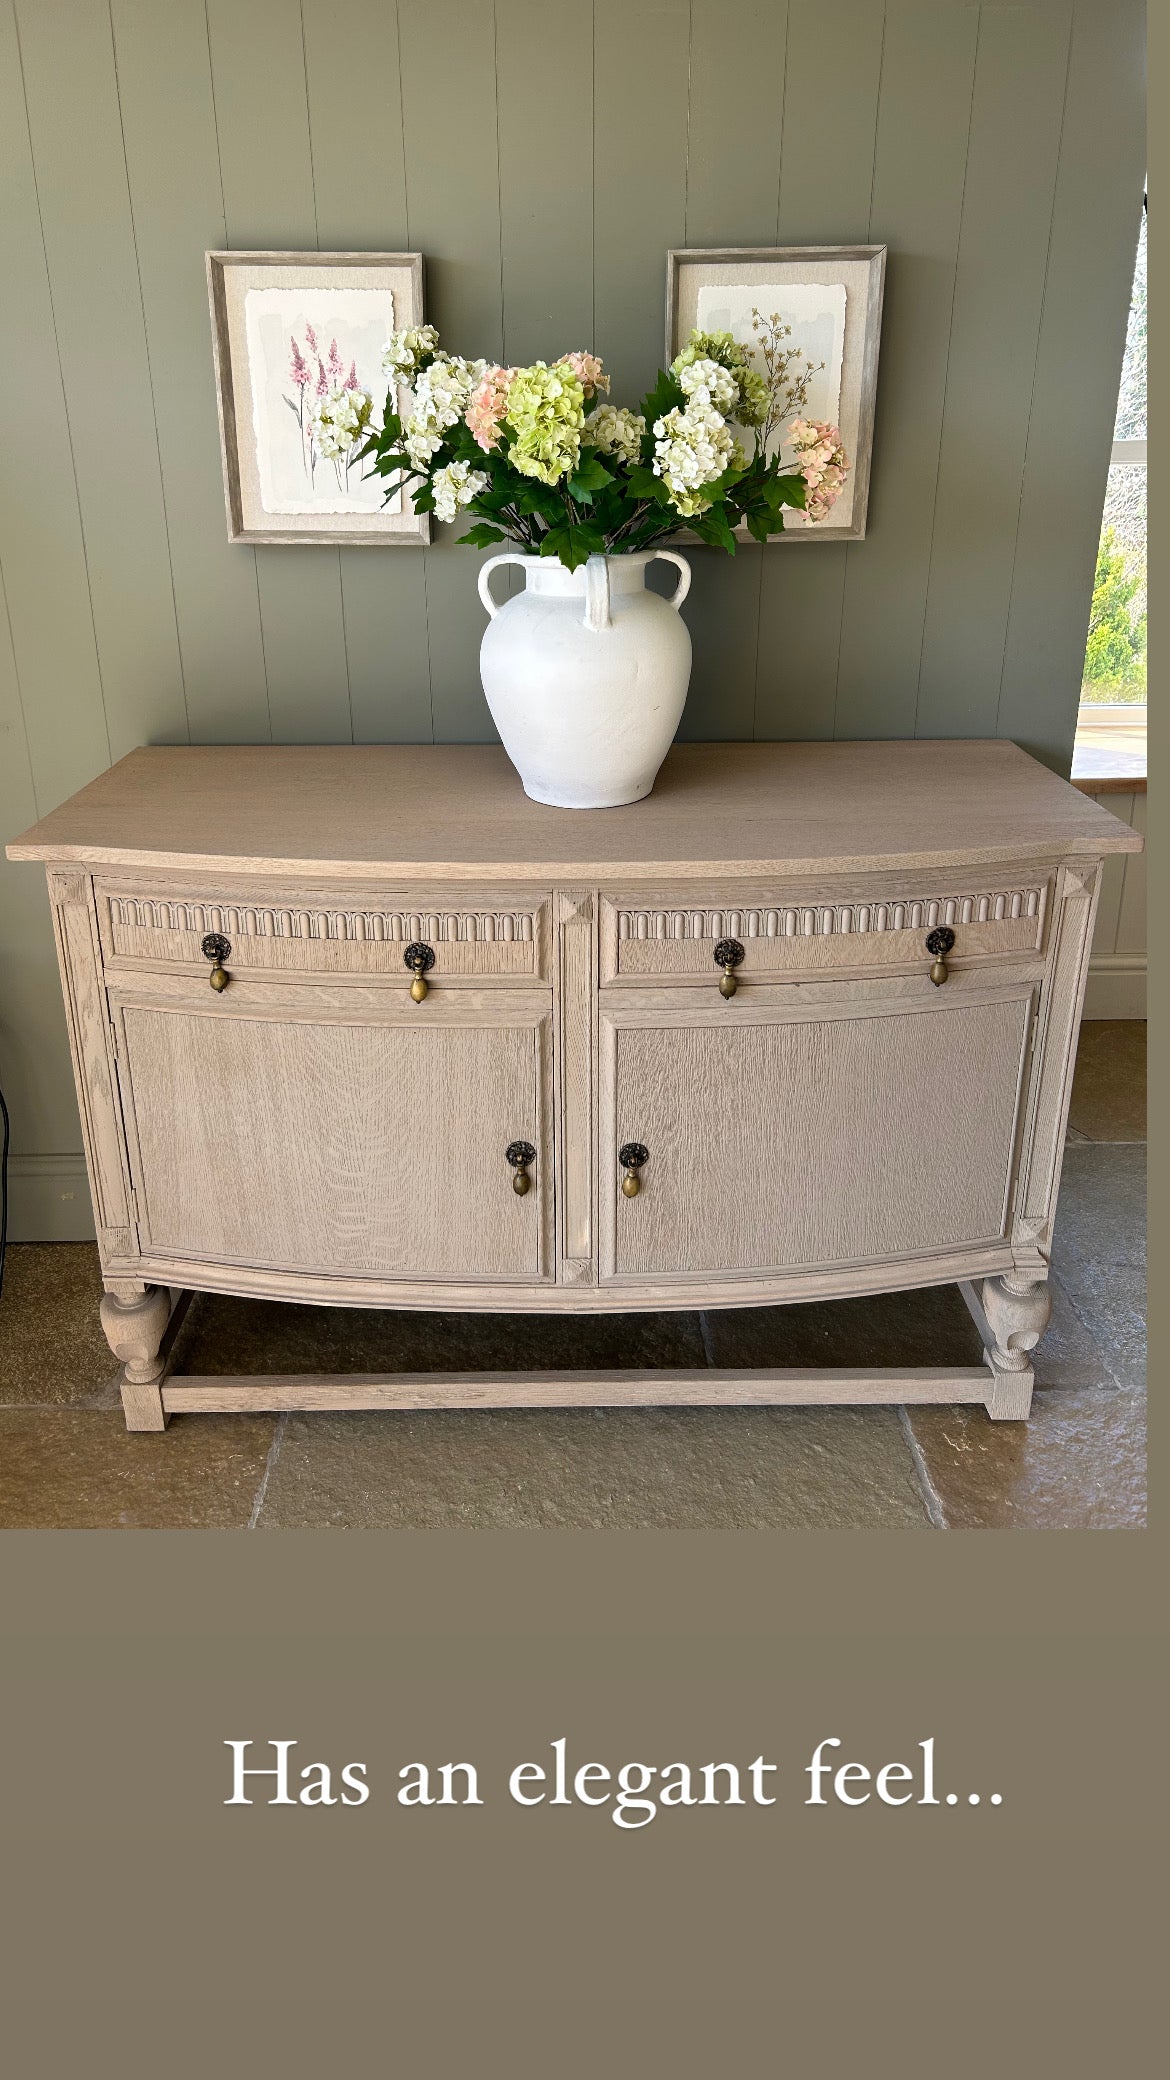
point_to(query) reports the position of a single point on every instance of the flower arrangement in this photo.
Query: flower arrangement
(538, 456)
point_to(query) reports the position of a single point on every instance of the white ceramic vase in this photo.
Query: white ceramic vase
(586, 675)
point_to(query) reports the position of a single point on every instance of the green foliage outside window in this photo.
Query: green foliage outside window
(1115, 655)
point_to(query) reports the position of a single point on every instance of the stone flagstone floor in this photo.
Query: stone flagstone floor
(66, 1460)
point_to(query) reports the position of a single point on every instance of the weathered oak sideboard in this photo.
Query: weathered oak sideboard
(366, 1026)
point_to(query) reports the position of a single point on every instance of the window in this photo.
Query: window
(1115, 655)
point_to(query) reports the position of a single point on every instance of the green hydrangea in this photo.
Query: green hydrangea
(754, 398)
(546, 411)
(712, 346)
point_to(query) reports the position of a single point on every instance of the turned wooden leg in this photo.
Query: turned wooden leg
(1017, 1311)
(134, 1331)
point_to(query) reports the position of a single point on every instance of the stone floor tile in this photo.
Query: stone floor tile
(1078, 1464)
(1068, 1354)
(222, 1334)
(52, 1350)
(606, 1469)
(1101, 1212)
(1111, 1302)
(1109, 1088)
(71, 1469)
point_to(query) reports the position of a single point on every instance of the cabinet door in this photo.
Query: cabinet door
(781, 1140)
(338, 1137)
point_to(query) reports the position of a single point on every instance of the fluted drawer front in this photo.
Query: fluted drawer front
(821, 933)
(305, 935)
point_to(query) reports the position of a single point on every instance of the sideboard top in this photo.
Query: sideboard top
(457, 811)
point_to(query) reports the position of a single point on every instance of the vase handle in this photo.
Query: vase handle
(485, 570)
(684, 584)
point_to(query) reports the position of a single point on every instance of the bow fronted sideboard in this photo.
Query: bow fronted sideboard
(365, 1026)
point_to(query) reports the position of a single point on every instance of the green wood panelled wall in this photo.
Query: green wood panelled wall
(543, 154)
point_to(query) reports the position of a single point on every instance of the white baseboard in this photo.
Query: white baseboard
(1117, 986)
(48, 1200)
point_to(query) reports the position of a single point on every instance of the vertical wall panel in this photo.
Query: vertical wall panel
(736, 90)
(546, 190)
(1095, 229)
(825, 187)
(34, 1051)
(927, 75)
(639, 179)
(42, 547)
(266, 163)
(168, 124)
(1131, 920)
(453, 185)
(359, 181)
(85, 211)
(1003, 253)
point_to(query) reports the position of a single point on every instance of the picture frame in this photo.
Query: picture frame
(838, 314)
(286, 328)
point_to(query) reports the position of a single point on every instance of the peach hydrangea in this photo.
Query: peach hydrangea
(587, 369)
(822, 462)
(488, 404)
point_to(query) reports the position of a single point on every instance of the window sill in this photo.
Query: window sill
(1109, 755)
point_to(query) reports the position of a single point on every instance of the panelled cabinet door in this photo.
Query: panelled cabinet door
(360, 1135)
(777, 1139)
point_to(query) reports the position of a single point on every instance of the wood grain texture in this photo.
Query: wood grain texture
(911, 1114)
(716, 1387)
(458, 811)
(339, 1146)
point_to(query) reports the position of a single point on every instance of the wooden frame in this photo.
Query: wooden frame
(229, 277)
(860, 353)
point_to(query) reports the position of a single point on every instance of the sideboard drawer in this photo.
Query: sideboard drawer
(308, 934)
(813, 933)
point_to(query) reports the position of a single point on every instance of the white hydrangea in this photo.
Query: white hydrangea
(339, 420)
(403, 351)
(455, 486)
(705, 382)
(614, 431)
(691, 449)
(439, 398)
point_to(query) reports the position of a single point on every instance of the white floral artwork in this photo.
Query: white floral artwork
(315, 366)
(816, 313)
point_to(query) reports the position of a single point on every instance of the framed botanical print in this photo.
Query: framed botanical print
(298, 340)
(810, 317)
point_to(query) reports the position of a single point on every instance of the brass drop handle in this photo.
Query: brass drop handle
(728, 956)
(521, 1155)
(420, 958)
(632, 1156)
(939, 942)
(216, 950)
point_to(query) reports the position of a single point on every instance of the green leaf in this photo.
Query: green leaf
(788, 490)
(644, 484)
(666, 395)
(591, 475)
(713, 527)
(481, 536)
(573, 544)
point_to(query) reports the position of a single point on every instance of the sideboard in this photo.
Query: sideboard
(365, 1026)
